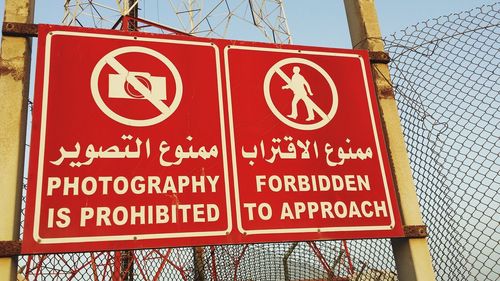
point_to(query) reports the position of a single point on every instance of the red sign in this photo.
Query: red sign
(309, 158)
(176, 141)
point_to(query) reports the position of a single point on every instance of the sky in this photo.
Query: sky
(324, 23)
(321, 22)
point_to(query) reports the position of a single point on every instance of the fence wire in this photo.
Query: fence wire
(445, 75)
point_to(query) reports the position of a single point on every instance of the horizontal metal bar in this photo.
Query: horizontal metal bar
(13, 248)
(31, 30)
(415, 231)
(10, 248)
(18, 29)
(379, 57)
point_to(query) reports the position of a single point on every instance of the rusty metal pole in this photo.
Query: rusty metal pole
(413, 260)
(199, 263)
(127, 257)
(15, 58)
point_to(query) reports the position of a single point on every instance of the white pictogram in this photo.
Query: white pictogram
(127, 84)
(300, 87)
(302, 92)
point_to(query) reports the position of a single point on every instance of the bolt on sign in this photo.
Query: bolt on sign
(143, 140)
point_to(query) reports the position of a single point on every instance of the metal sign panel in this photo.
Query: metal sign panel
(309, 157)
(171, 141)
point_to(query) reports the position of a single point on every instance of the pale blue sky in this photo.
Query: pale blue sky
(323, 22)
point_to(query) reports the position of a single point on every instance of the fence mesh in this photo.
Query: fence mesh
(445, 75)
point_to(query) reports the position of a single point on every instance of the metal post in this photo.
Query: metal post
(127, 265)
(134, 13)
(117, 266)
(15, 57)
(413, 260)
(127, 257)
(199, 263)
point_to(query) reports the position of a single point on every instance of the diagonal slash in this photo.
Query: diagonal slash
(306, 98)
(118, 67)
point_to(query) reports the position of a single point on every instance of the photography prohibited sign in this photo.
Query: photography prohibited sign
(117, 153)
(125, 84)
(136, 141)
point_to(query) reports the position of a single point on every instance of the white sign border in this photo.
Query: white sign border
(41, 156)
(233, 145)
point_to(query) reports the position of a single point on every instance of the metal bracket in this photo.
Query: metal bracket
(386, 93)
(379, 57)
(10, 248)
(18, 29)
(415, 231)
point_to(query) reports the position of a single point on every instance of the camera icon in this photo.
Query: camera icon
(120, 88)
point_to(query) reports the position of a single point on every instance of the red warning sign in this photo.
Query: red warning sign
(166, 141)
(309, 159)
(117, 153)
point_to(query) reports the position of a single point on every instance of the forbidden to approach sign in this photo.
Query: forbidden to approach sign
(134, 141)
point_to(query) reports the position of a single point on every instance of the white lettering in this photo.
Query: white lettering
(68, 185)
(121, 185)
(275, 183)
(213, 182)
(86, 214)
(137, 188)
(120, 215)
(308, 183)
(250, 207)
(380, 208)
(120, 189)
(286, 212)
(265, 211)
(53, 183)
(260, 182)
(365, 212)
(63, 217)
(93, 186)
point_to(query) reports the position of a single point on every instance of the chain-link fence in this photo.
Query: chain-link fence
(445, 75)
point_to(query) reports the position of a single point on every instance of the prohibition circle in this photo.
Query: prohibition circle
(326, 117)
(164, 110)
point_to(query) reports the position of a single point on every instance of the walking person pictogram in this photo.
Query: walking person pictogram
(301, 88)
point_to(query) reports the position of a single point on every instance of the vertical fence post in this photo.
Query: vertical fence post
(199, 263)
(413, 260)
(15, 58)
(127, 257)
